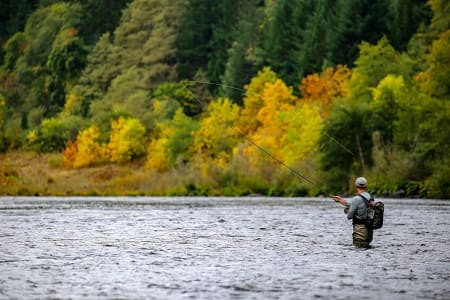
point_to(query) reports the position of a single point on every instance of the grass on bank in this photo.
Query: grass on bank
(32, 174)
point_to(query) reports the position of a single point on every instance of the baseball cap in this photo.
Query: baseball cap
(361, 182)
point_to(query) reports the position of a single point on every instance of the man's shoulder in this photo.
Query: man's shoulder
(356, 200)
(366, 196)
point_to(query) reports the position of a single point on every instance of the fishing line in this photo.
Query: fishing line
(214, 83)
(244, 92)
(296, 173)
(337, 142)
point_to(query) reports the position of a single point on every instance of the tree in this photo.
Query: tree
(277, 103)
(283, 38)
(221, 40)
(40, 63)
(99, 17)
(253, 101)
(440, 21)
(346, 144)
(242, 60)
(86, 150)
(127, 140)
(141, 55)
(321, 90)
(172, 144)
(436, 80)
(13, 15)
(404, 19)
(217, 136)
(195, 34)
(374, 63)
(354, 22)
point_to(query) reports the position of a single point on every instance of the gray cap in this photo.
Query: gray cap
(361, 182)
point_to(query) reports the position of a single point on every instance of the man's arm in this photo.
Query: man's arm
(343, 202)
(340, 200)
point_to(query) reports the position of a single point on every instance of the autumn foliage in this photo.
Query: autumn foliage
(125, 144)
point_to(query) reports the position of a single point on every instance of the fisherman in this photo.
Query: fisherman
(359, 209)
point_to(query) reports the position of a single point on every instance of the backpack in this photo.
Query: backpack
(375, 221)
(378, 215)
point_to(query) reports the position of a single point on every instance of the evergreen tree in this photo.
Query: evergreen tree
(311, 56)
(355, 21)
(99, 17)
(192, 44)
(221, 40)
(284, 37)
(405, 17)
(242, 63)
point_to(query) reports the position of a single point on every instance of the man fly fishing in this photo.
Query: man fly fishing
(359, 210)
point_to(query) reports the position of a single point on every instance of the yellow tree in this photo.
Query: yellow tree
(127, 140)
(289, 131)
(277, 99)
(86, 150)
(303, 129)
(253, 100)
(216, 137)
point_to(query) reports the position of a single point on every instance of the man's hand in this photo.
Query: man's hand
(339, 200)
(336, 198)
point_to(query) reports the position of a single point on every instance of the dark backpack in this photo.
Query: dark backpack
(378, 214)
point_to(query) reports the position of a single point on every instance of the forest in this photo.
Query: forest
(229, 97)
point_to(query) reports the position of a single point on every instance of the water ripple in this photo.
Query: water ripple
(218, 248)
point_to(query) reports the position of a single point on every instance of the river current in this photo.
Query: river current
(218, 248)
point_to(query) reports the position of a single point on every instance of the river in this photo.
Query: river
(218, 248)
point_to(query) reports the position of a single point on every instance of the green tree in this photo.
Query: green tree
(440, 21)
(171, 146)
(13, 15)
(346, 144)
(284, 37)
(40, 62)
(353, 22)
(404, 19)
(141, 57)
(193, 41)
(437, 77)
(242, 60)
(221, 40)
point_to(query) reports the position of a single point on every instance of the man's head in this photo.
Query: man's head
(361, 183)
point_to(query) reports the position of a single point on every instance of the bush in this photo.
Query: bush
(86, 150)
(127, 140)
(54, 133)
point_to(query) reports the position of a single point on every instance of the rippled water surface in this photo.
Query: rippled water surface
(218, 248)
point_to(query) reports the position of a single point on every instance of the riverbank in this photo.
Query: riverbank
(32, 174)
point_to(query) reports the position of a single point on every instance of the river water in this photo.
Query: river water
(218, 248)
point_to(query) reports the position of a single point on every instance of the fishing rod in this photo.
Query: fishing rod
(293, 171)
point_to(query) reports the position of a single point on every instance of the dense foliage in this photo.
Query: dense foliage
(279, 97)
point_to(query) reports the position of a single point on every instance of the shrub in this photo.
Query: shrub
(86, 150)
(127, 140)
(54, 133)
